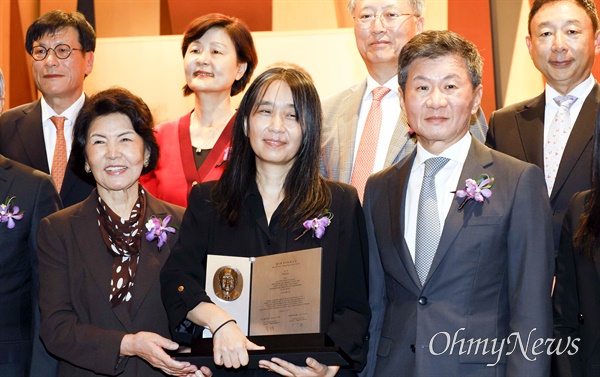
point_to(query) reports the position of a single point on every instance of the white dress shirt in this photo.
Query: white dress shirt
(50, 129)
(446, 181)
(390, 111)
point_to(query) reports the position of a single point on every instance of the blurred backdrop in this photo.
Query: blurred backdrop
(139, 44)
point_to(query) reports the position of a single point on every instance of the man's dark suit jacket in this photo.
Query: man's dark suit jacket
(518, 130)
(490, 278)
(78, 323)
(34, 194)
(22, 140)
(577, 300)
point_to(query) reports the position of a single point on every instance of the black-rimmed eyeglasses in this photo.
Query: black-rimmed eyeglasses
(61, 51)
(389, 19)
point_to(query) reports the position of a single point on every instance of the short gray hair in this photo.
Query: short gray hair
(418, 6)
(1, 85)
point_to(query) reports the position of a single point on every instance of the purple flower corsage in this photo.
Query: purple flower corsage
(158, 229)
(477, 189)
(317, 225)
(10, 212)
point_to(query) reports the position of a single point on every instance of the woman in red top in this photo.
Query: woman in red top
(218, 59)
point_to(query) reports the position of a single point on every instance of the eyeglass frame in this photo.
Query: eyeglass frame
(383, 22)
(47, 49)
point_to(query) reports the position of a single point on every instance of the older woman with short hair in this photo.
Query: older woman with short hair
(100, 259)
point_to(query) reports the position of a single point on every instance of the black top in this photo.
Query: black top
(345, 309)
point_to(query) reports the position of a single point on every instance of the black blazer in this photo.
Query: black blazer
(34, 194)
(22, 140)
(518, 130)
(577, 300)
(344, 304)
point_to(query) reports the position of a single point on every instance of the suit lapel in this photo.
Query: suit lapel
(400, 137)
(151, 259)
(581, 134)
(31, 136)
(347, 130)
(397, 188)
(94, 254)
(530, 122)
(6, 179)
(478, 159)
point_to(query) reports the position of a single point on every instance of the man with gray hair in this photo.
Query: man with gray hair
(364, 128)
(459, 234)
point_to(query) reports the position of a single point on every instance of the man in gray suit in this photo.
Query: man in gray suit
(381, 28)
(461, 259)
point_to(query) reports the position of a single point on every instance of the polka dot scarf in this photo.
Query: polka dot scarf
(123, 240)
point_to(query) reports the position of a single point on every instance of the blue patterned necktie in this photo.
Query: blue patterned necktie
(428, 219)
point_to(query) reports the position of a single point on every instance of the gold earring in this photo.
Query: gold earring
(87, 168)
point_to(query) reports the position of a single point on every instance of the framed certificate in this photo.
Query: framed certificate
(276, 302)
(269, 295)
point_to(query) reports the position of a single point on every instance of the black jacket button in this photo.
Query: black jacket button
(580, 318)
(423, 300)
(412, 348)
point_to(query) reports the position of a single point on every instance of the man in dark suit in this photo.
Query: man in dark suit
(457, 279)
(62, 48)
(35, 196)
(563, 40)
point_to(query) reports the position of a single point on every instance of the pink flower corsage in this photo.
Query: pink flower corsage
(225, 156)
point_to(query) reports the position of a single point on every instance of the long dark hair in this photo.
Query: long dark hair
(588, 230)
(306, 193)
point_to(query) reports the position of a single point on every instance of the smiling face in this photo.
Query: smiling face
(115, 154)
(563, 44)
(378, 46)
(439, 100)
(61, 79)
(274, 131)
(211, 63)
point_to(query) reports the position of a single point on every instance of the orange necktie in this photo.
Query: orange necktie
(59, 161)
(367, 149)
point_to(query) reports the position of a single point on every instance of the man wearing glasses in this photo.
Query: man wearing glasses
(364, 129)
(39, 134)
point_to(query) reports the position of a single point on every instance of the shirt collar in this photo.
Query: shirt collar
(70, 113)
(391, 84)
(581, 91)
(456, 152)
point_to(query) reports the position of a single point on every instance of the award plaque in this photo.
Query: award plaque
(276, 302)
